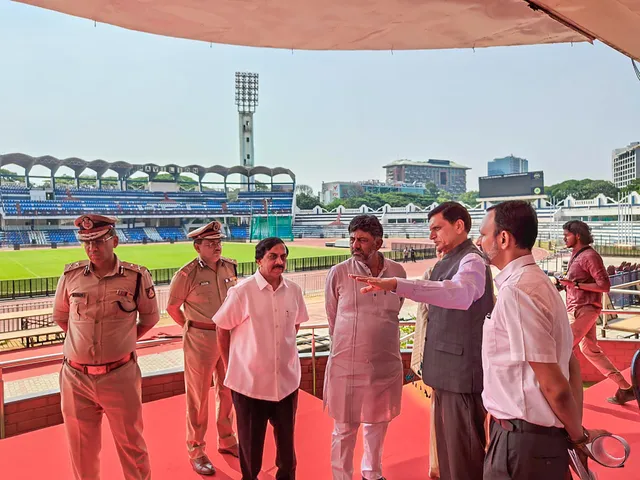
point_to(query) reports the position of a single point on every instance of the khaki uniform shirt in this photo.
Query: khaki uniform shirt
(99, 329)
(202, 289)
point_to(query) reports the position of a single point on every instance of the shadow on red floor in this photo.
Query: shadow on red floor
(43, 454)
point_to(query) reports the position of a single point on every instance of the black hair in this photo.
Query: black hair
(579, 229)
(366, 223)
(267, 244)
(452, 212)
(519, 218)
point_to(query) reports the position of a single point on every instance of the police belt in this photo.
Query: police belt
(522, 426)
(201, 325)
(100, 369)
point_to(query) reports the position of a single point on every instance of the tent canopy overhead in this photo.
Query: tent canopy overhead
(371, 24)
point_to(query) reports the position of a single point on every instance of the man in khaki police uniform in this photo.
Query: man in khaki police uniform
(200, 287)
(104, 305)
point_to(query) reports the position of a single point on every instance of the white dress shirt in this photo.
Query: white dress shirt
(263, 355)
(529, 323)
(466, 286)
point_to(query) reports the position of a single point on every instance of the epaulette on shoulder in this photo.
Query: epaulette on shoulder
(133, 267)
(188, 268)
(70, 267)
(230, 260)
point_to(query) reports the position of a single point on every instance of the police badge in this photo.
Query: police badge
(87, 223)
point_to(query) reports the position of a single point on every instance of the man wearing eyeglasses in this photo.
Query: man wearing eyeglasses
(103, 305)
(195, 295)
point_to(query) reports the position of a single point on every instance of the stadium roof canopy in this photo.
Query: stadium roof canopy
(125, 170)
(373, 24)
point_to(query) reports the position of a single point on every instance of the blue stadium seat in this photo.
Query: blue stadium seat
(239, 231)
(171, 233)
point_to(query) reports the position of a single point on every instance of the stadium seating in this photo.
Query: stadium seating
(239, 231)
(17, 237)
(171, 233)
(136, 235)
(62, 236)
(16, 201)
(19, 201)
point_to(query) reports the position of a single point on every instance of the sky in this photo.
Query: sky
(72, 89)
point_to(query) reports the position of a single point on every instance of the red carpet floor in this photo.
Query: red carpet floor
(42, 454)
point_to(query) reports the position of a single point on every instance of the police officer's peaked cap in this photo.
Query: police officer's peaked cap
(92, 226)
(211, 231)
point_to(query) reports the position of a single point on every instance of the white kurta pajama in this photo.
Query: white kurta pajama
(364, 375)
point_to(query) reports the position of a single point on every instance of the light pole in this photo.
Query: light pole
(246, 101)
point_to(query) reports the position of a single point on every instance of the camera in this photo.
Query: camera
(555, 279)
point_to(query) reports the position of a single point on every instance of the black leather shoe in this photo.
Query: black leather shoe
(622, 396)
(203, 466)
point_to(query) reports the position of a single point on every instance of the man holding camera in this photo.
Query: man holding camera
(585, 282)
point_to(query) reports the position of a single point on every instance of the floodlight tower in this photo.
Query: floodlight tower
(247, 101)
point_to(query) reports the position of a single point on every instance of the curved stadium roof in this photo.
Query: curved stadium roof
(125, 170)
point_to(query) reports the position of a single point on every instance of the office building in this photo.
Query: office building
(507, 165)
(334, 190)
(447, 175)
(624, 164)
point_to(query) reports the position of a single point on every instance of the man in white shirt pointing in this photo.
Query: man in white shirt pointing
(263, 314)
(460, 295)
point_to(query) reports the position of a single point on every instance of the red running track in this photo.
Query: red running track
(42, 454)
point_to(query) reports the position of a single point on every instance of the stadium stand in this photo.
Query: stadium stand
(239, 231)
(61, 236)
(170, 233)
(33, 215)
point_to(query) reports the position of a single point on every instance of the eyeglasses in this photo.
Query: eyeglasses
(211, 243)
(98, 242)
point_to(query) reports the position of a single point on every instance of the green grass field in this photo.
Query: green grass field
(50, 263)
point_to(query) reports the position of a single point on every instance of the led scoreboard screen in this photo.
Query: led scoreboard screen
(512, 185)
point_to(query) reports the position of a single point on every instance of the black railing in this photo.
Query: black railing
(46, 287)
(28, 287)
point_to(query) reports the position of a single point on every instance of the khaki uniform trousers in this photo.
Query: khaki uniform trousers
(118, 395)
(583, 325)
(202, 362)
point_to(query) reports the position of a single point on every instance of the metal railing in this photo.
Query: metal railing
(46, 286)
(624, 291)
(312, 284)
(55, 358)
(25, 306)
(324, 326)
(17, 324)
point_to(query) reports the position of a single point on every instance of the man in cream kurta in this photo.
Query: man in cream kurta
(363, 382)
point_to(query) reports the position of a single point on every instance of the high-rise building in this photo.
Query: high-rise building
(447, 175)
(507, 165)
(624, 164)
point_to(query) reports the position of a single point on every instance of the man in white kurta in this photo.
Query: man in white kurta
(363, 380)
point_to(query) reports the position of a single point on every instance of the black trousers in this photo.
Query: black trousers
(460, 434)
(252, 417)
(526, 456)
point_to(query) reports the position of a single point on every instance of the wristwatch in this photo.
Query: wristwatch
(582, 440)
